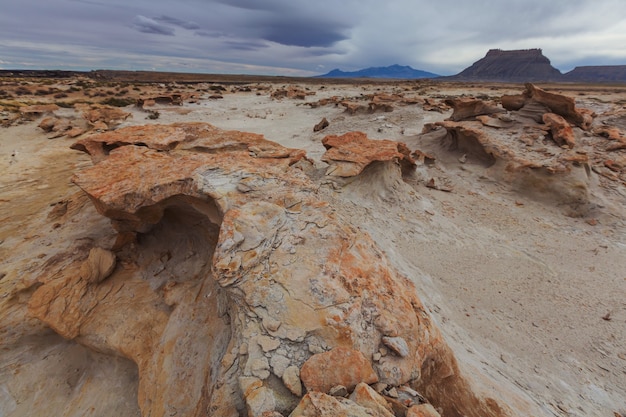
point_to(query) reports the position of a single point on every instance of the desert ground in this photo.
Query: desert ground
(528, 288)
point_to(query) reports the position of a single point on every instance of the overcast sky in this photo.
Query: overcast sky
(304, 37)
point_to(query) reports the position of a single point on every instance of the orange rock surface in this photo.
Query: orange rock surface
(238, 272)
(349, 154)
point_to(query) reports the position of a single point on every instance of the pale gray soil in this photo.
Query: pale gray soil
(526, 295)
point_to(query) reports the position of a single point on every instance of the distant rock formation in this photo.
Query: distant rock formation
(518, 65)
(543, 145)
(392, 71)
(597, 74)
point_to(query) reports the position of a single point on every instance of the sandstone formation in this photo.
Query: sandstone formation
(541, 146)
(512, 146)
(562, 105)
(238, 280)
(349, 154)
(36, 110)
(292, 92)
(468, 108)
(369, 103)
(560, 130)
(60, 127)
(102, 117)
(174, 99)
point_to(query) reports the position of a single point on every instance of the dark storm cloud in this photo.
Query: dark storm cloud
(292, 23)
(302, 33)
(245, 46)
(147, 25)
(177, 22)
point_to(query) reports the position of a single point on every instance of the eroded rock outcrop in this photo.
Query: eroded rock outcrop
(101, 117)
(173, 99)
(350, 153)
(556, 103)
(541, 146)
(239, 275)
(467, 108)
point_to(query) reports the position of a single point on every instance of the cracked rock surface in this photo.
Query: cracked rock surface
(257, 273)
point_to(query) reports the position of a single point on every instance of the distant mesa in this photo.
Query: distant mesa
(519, 65)
(392, 71)
(598, 73)
(530, 65)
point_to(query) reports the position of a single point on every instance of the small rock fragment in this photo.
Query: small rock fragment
(339, 366)
(366, 397)
(323, 124)
(379, 387)
(422, 410)
(271, 324)
(397, 344)
(259, 367)
(98, 266)
(291, 379)
(393, 392)
(268, 343)
(338, 391)
(279, 364)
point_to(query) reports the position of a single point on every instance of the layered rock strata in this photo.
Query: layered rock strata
(532, 146)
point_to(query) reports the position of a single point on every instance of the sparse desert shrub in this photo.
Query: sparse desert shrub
(20, 91)
(122, 92)
(118, 102)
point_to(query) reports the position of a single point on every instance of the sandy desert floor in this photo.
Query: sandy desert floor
(526, 294)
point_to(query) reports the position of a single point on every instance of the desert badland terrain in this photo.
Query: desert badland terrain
(236, 247)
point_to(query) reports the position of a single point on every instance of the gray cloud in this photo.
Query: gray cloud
(177, 22)
(298, 37)
(147, 25)
(300, 34)
(246, 46)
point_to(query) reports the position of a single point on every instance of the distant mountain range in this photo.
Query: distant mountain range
(392, 71)
(523, 65)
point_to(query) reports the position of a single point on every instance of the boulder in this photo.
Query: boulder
(340, 366)
(367, 397)
(316, 404)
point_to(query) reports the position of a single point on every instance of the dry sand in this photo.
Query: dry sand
(526, 295)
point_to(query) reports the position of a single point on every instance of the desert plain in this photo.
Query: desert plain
(513, 240)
